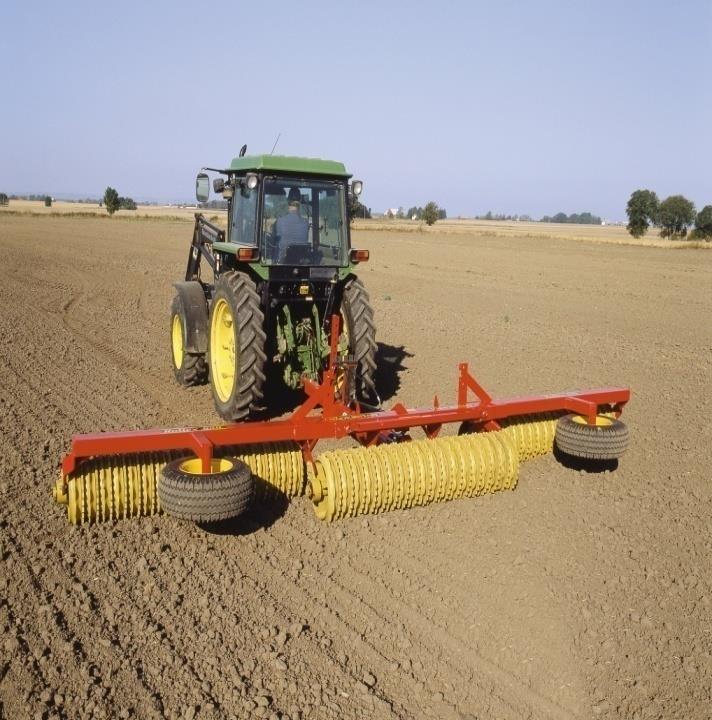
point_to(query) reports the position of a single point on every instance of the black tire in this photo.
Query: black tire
(244, 395)
(189, 368)
(220, 495)
(600, 442)
(358, 316)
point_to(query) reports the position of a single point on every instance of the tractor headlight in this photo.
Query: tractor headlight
(356, 187)
(251, 181)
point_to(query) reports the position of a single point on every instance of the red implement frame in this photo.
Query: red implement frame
(338, 420)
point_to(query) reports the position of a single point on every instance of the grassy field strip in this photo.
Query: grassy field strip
(602, 234)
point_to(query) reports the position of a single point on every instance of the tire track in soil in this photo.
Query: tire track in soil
(144, 376)
(135, 371)
(67, 404)
(81, 329)
(73, 396)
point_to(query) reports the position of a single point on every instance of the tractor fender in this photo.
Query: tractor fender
(195, 307)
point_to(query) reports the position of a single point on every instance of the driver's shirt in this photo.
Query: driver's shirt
(292, 229)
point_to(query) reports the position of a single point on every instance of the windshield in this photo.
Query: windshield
(303, 222)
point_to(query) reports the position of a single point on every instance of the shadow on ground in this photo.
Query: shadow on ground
(268, 506)
(588, 466)
(389, 366)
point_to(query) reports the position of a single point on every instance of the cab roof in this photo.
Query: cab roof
(288, 164)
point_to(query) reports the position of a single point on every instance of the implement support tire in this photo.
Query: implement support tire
(188, 494)
(606, 440)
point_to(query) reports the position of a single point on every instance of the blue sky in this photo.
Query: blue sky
(513, 107)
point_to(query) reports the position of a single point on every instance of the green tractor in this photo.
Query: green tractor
(280, 271)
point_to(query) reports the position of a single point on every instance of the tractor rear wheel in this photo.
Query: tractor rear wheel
(606, 440)
(361, 332)
(189, 368)
(185, 492)
(237, 347)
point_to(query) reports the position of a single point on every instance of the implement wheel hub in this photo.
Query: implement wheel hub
(194, 466)
(601, 420)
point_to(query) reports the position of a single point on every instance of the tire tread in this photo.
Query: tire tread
(591, 443)
(205, 498)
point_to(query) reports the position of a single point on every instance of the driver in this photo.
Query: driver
(292, 228)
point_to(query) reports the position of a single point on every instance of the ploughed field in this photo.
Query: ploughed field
(577, 595)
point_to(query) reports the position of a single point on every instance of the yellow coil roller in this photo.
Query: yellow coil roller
(278, 468)
(533, 435)
(124, 486)
(345, 483)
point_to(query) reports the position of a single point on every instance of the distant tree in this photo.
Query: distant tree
(48, 201)
(4, 199)
(430, 212)
(442, 214)
(401, 213)
(126, 204)
(357, 210)
(703, 224)
(675, 214)
(111, 200)
(642, 210)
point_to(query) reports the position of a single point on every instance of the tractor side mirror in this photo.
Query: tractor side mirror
(202, 187)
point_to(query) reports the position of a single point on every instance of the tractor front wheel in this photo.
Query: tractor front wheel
(185, 492)
(237, 347)
(188, 368)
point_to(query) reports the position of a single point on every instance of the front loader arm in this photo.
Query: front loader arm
(204, 235)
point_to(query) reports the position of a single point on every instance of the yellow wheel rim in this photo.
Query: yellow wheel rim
(194, 466)
(601, 420)
(223, 351)
(177, 341)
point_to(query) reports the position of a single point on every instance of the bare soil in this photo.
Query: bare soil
(578, 595)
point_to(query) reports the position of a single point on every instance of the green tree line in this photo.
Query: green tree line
(674, 216)
(584, 218)
(489, 215)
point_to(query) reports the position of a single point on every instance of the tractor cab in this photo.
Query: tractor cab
(287, 210)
